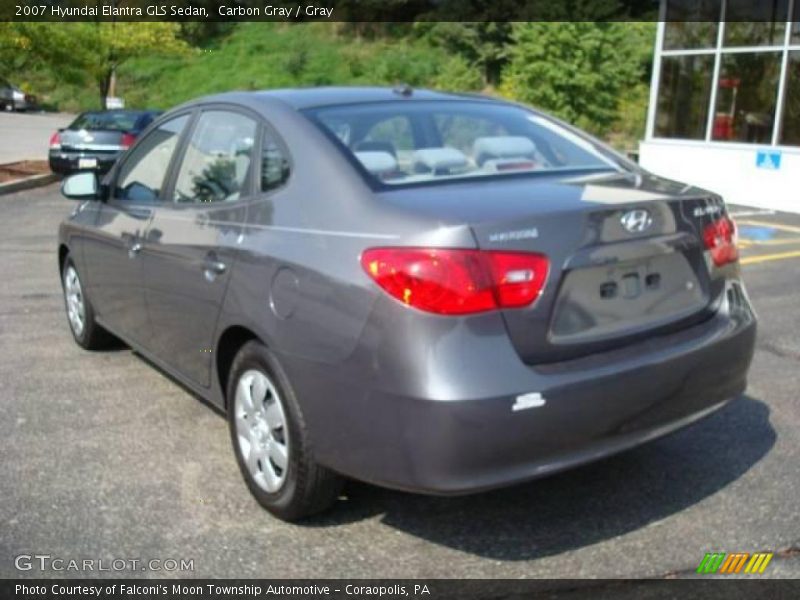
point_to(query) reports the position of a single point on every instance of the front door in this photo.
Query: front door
(112, 251)
(191, 241)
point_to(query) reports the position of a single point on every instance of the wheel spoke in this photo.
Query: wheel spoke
(243, 427)
(271, 479)
(256, 454)
(274, 415)
(259, 390)
(278, 455)
(245, 397)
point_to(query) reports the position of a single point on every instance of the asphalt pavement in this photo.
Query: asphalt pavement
(105, 457)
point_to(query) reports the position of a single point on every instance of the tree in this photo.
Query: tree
(579, 71)
(14, 53)
(92, 52)
(483, 45)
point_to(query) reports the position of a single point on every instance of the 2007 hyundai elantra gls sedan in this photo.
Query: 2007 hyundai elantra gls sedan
(432, 292)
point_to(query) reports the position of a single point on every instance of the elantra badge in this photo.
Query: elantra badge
(636, 221)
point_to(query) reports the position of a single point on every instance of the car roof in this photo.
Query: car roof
(302, 98)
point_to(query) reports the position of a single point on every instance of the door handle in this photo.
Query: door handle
(134, 249)
(214, 267)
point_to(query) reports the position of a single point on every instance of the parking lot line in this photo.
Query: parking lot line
(746, 242)
(751, 213)
(769, 257)
(778, 226)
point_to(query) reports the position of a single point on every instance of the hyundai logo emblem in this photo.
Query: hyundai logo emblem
(636, 221)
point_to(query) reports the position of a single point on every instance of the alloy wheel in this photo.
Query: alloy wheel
(73, 293)
(261, 430)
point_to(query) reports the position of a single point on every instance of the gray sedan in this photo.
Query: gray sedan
(431, 292)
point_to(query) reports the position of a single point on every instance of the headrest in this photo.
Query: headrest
(503, 146)
(435, 159)
(377, 162)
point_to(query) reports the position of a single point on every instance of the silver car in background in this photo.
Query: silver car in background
(432, 292)
(13, 98)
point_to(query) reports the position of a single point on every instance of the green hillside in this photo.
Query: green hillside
(542, 63)
(267, 55)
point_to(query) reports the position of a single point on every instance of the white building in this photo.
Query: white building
(725, 100)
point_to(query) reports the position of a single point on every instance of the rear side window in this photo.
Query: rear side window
(274, 164)
(142, 174)
(418, 142)
(217, 162)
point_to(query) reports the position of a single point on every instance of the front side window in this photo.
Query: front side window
(217, 160)
(419, 142)
(747, 92)
(683, 96)
(142, 175)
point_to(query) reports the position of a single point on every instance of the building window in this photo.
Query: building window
(747, 92)
(790, 134)
(755, 23)
(684, 96)
(691, 24)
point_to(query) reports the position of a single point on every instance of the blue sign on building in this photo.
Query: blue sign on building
(768, 159)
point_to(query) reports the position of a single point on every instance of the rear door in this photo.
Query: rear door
(190, 245)
(112, 249)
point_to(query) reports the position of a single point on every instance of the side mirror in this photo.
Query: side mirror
(80, 186)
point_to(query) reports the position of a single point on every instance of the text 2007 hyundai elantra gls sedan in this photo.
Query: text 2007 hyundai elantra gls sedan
(431, 292)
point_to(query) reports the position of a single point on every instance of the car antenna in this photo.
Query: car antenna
(403, 89)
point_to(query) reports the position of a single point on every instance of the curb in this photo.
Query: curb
(27, 183)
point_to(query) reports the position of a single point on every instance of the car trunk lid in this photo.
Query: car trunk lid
(626, 255)
(94, 140)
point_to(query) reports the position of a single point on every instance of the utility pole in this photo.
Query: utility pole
(112, 80)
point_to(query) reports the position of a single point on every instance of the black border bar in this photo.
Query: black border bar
(729, 588)
(394, 11)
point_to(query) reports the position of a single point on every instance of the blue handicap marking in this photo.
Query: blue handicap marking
(757, 234)
(768, 159)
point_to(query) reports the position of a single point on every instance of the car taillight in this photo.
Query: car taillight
(720, 239)
(55, 141)
(127, 140)
(457, 281)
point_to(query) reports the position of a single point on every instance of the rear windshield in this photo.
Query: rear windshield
(111, 121)
(404, 142)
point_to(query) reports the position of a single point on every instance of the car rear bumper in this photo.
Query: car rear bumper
(463, 434)
(69, 162)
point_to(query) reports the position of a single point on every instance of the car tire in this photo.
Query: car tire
(80, 314)
(271, 441)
